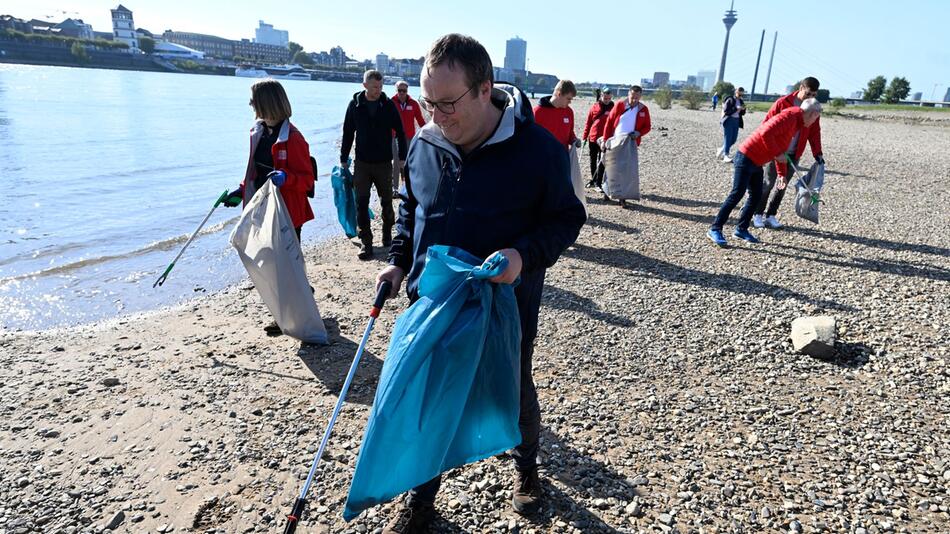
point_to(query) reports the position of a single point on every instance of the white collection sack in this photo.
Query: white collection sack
(622, 168)
(267, 244)
(576, 179)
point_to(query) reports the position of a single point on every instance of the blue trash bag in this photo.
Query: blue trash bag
(344, 198)
(449, 390)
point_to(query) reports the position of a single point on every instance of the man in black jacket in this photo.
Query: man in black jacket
(484, 177)
(372, 118)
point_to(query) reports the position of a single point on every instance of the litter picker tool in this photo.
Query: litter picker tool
(161, 279)
(301, 501)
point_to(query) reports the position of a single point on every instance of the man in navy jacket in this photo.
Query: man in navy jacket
(484, 177)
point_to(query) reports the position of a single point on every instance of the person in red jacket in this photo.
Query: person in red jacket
(594, 128)
(629, 117)
(769, 142)
(555, 115)
(279, 153)
(411, 113)
(765, 212)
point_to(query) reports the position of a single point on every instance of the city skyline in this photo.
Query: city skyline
(830, 43)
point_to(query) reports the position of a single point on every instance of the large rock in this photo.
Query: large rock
(814, 336)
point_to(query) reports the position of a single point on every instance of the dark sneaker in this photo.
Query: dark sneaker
(366, 252)
(411, 519)
(716, 237)
(272, 329)
(745, 235)
(526, 495)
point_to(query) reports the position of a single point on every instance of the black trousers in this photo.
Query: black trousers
(594, 155)
(769, 203)
(365, 177)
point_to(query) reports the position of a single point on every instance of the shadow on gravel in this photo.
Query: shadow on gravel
(653, 268)
(874, 242)
(852, 355)
(607, 225)
(585, 475)
(684, 202)
(563, 299)
(329, 364)
(900, 268)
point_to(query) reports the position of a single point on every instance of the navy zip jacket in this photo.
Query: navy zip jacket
(374, 135)
(514, 191)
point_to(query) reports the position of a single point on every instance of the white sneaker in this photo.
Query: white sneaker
(719, 152)
(757, 221)
(773, 222)
(727, 159)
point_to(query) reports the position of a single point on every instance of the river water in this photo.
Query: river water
(108, 172)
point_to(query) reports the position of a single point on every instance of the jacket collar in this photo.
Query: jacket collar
(282, 136)
(515, 110)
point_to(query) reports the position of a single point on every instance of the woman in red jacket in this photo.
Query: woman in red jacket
(279, 153)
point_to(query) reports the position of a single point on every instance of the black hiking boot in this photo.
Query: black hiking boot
(272, 329)
(526, 495)
(366, 252)
(411, 519)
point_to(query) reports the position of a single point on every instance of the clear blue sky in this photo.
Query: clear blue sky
(843, 43)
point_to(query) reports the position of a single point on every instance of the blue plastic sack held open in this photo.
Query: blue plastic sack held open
(449, 390)
(344, 198)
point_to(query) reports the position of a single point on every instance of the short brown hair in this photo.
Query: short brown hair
(372, 74)
(636, 89)
(811, 83)
(269, 100)
(461, 50)
(565, 87)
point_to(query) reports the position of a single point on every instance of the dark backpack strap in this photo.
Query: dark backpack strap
(312, 190)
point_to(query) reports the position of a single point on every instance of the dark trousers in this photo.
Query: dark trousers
(747, 176)
(594, 155)
(730, 132)
(365, 177)
(529, 419)
(769, 204)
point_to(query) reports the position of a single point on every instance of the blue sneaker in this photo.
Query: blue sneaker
(716, 237)
(745, 235)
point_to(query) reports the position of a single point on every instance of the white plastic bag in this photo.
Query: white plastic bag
(267, 244)
(577, 180)
(622, 168)
(808, 193)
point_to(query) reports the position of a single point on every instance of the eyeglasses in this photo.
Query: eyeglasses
(402, 90)
(445, 107)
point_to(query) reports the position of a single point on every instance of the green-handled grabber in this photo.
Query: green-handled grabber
(161, 279)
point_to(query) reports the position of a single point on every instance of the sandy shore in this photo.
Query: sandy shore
(672, 399)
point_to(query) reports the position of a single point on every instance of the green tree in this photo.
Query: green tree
(723, 89)
(838, 102)
(898, 90)
(147, 45)
(302, 58)
(875, 89)
(294, 48)
(663, 97)
(79, 52)
(693, 97)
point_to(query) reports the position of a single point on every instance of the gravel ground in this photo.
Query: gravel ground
(672, 399)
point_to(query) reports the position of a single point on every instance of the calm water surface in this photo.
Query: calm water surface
(107, 172)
